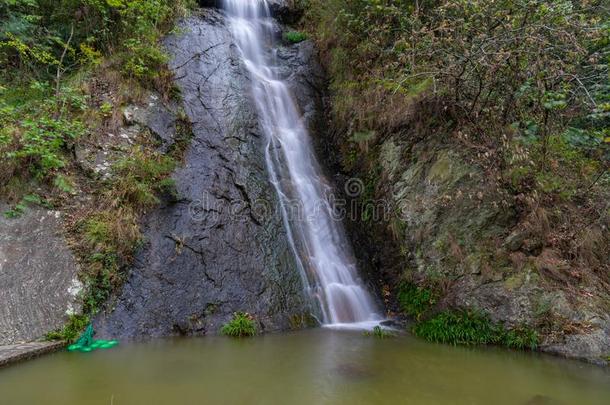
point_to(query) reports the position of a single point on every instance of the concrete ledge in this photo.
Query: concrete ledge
(20, 352)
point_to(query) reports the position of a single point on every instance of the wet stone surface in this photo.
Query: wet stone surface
(11, 354)
(222, 247)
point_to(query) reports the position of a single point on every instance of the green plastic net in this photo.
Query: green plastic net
(86, 343)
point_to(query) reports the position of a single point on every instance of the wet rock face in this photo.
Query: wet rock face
(284, 10)
(38, 276)
(154, 115)
(299, 67)
(222, 247)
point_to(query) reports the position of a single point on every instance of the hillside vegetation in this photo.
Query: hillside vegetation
(69, 68)
(485, 125)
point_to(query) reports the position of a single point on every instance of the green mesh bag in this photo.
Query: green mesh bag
(86, 343)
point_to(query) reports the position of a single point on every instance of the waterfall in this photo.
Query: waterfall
(316, 235)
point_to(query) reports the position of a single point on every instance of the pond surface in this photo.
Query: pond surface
(317, 366)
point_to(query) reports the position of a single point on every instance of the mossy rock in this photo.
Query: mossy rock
(447, 170)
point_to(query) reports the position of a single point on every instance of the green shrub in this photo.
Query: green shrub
(473, 328)
(463, 327)
(71, 331)
(521, 338)
(390, 60)
(141, 177)
(106, 240)
(379, 333)
(241, 325)
(294, 37)
(43, 143)
(415, 301)
(41, 37)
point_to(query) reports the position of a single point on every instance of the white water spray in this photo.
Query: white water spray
(318, 240)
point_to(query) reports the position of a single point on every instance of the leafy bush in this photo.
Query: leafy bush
(473, 328)
(242, 325)
(506, 73)
(38, 131)
(380, 333)
(463, 327)
(46, 38)
(294, 37)
(71, 331)
(415, 301)
(43, 143)
(521, 338)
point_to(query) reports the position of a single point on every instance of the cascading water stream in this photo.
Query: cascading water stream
(316, 236)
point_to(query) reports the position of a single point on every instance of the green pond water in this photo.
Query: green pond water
(318, 366)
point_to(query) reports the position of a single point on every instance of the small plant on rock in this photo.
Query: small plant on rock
(70, 331)
(242, 325)
(294, 37)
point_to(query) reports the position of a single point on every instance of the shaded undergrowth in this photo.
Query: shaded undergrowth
(459, 327)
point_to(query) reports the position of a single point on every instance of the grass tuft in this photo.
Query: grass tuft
(294, 37)
(242, 325)
(473, 328)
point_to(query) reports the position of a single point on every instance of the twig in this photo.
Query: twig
(61, 61)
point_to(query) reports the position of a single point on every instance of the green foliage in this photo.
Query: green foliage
(242, 325)
(463, 327)
(41, 37)
(21, 206)
(63, 184)
(415, 301)
(141, 177)
(42, 143)
(473, 328)
(107, 240)
(70, 332)
(500, 72)
(521, 338)
(294, 37)
(38, 130)
(380, 333)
